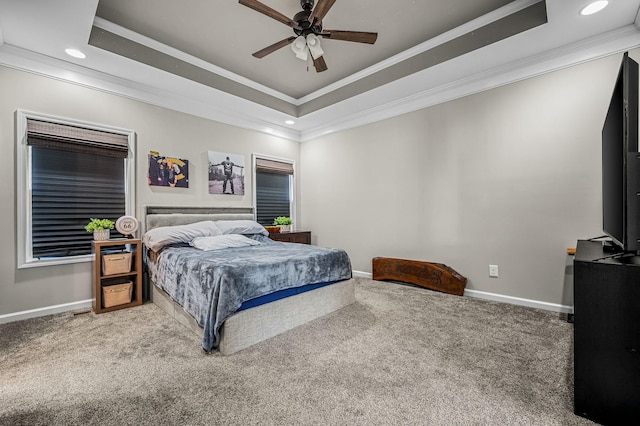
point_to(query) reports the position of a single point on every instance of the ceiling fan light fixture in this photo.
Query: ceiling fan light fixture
(313, 42)
(299, 47)
(307, 25)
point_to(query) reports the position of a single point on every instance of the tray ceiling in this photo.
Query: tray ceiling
(195, 55)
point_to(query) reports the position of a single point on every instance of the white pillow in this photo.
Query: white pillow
(157, 238)
(245, 227)
(219, 242)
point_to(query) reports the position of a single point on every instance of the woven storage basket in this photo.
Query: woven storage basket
(117, 294)
(118, 263)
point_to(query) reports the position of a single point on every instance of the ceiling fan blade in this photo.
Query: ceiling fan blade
(321, 9)
(320, 64)
(356, 36)
(275, 46)
(266, 10)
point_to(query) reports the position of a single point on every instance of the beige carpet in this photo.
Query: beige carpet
(400, 355)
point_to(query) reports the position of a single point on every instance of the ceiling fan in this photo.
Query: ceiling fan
(307, 26)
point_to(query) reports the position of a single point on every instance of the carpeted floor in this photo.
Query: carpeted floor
(399, 355)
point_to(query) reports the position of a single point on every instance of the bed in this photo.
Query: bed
(238, 287)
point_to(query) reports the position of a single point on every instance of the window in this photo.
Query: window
(273, 189)
(68, 172)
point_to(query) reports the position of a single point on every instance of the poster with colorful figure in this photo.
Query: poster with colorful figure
(168, 171)
(226, 173)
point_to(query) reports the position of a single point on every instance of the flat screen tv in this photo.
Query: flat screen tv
(621, 161)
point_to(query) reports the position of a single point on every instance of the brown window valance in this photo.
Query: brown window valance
(272, 166)
(63, 137)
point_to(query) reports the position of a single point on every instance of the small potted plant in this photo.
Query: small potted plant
(101, 228)
(283, 222)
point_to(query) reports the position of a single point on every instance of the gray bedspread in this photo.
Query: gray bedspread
(211, 285)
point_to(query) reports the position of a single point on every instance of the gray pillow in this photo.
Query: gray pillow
(219, 242)
(157, 238)
(244, 227)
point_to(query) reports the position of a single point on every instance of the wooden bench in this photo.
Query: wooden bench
(434, 276)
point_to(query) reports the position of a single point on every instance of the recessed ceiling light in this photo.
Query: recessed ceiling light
(594, 7)
(75, 53)
(289, 122)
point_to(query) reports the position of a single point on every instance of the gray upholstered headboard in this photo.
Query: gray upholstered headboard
(156, 216)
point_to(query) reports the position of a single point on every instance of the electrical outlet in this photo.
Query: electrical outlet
(493, 271)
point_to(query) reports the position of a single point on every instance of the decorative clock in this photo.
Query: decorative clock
(127, 225)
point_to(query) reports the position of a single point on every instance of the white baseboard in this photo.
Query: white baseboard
(554, 307)
(47, 310)
(87, 304)
(359, 274)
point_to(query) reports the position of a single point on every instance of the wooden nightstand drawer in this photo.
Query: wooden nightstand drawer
(301, 237)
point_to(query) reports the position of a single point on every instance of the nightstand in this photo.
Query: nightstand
(301, 237)
(103, 278)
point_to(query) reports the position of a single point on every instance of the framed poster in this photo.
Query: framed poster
(168, 171)
(226, 173)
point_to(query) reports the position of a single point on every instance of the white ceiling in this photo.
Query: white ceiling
(195, 55)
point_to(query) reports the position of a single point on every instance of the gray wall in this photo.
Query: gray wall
(510, 176)
(171, 133)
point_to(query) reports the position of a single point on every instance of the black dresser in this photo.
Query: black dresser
(606, 335)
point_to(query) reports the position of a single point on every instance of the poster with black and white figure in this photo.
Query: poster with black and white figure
(226, 173)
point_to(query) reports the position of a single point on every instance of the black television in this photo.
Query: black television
(621, 162)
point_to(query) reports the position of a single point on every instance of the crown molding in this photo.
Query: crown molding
(378, 104)
(178, 54)
(613, 42)
(468, 27)
(445, 37)
(186, 96)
